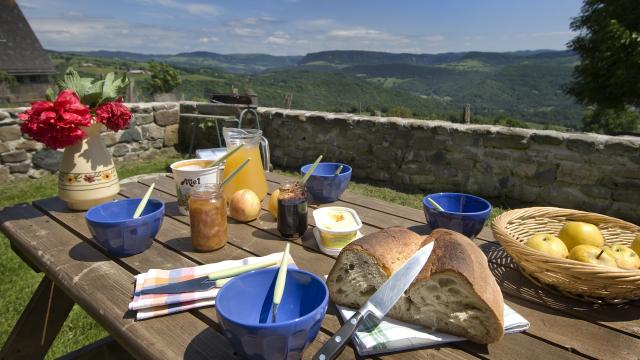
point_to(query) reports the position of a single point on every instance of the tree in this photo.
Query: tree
(608, 43)
(400, 111)
(163, 78)
(611, 121)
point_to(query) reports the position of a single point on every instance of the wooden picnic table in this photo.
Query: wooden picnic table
(57, 242)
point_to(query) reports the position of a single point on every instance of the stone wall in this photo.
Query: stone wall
(153, 131)
(582, 171)
(575, 170)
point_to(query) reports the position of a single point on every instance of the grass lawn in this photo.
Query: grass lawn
(19, 281)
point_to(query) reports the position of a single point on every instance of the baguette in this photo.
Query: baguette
(454, 293)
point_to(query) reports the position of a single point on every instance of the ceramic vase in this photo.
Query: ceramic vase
(87, 174)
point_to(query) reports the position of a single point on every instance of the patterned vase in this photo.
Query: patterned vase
(87, 175)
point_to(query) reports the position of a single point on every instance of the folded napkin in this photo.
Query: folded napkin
(152, 305)
(391, 335)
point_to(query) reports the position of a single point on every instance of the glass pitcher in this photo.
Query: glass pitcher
(252, 176)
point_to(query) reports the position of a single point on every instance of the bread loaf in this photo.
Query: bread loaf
(454, 293)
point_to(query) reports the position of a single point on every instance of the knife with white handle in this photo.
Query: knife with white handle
(207, 282)
(378, 304)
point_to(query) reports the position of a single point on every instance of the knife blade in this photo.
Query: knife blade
(378, 304)
(207, 282)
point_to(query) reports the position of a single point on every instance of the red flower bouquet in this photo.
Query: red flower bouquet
(59, 123)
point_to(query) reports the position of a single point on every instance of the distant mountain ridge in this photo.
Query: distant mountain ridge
(351, 57)
(238, 63)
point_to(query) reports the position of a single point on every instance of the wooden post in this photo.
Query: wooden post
(287, 100)
(467, 113)
(131, 95)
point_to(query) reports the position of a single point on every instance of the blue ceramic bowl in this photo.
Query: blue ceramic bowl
(113, 226)
(323, 185)
(463, 213)
(244, 310)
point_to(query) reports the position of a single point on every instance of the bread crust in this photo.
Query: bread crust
(453, 252)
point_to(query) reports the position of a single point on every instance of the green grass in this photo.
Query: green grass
(19, 281)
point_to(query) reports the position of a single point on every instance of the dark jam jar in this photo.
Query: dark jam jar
(292, 210)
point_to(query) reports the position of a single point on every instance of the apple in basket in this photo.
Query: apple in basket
(592, 255)
(635, 245)
(625, 257)
(548, 244)
(576, 233)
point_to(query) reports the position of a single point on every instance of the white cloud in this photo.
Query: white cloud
(363, 34)
(208, 39)
(278, 38)
(83, 33)
(193, 8)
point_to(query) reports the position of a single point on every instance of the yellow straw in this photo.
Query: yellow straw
(143, 202)
(435, 204)
(234, 173)
(282, 277)
(225, 156)
(313, 168)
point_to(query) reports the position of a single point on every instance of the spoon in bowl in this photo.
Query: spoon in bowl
(281, 279)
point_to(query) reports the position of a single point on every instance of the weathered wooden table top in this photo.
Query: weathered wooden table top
(57, 242)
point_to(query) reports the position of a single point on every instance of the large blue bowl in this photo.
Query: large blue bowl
(463, 213)
(324, 185)
(244, 310)
(113, 226)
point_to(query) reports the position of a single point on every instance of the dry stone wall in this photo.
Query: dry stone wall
(582, 171)
(575, 170)
(153, 131)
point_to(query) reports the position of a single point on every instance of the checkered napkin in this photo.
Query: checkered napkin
(152, 305)
(391, 335)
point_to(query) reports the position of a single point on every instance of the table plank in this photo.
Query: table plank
(77, 267)
(241, 238)
(172, 235)
(168, 186)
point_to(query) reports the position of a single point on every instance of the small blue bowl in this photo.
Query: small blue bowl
(113, 226)
(463, 213)
(244, 310)
(324, 185)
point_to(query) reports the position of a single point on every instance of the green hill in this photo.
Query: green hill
(523, 85)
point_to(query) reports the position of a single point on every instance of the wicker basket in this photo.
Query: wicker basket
(584, 281)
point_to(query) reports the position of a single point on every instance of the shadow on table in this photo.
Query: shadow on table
(209, 345)
(171, 209)
(87, 253)
(522, 291)
(181, 243)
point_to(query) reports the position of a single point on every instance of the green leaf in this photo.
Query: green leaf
(92, 99)
(50, 94)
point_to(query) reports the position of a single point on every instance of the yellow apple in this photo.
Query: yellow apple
(625, 257)
(635, 245)
(576, 233)
(592, 255)
(273, 204)
(548, 244)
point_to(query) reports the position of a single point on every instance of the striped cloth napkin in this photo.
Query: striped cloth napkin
(391, 335)
(152, 305)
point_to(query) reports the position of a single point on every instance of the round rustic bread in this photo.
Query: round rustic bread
(454, 293)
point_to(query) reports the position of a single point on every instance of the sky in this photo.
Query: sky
(297, 27)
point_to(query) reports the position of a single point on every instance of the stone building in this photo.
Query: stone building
(21, 56)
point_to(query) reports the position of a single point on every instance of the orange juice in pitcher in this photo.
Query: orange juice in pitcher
(252, 176)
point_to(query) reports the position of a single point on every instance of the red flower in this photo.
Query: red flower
(56, 124)
(114, 114)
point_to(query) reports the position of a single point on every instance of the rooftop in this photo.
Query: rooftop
(20, 50)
